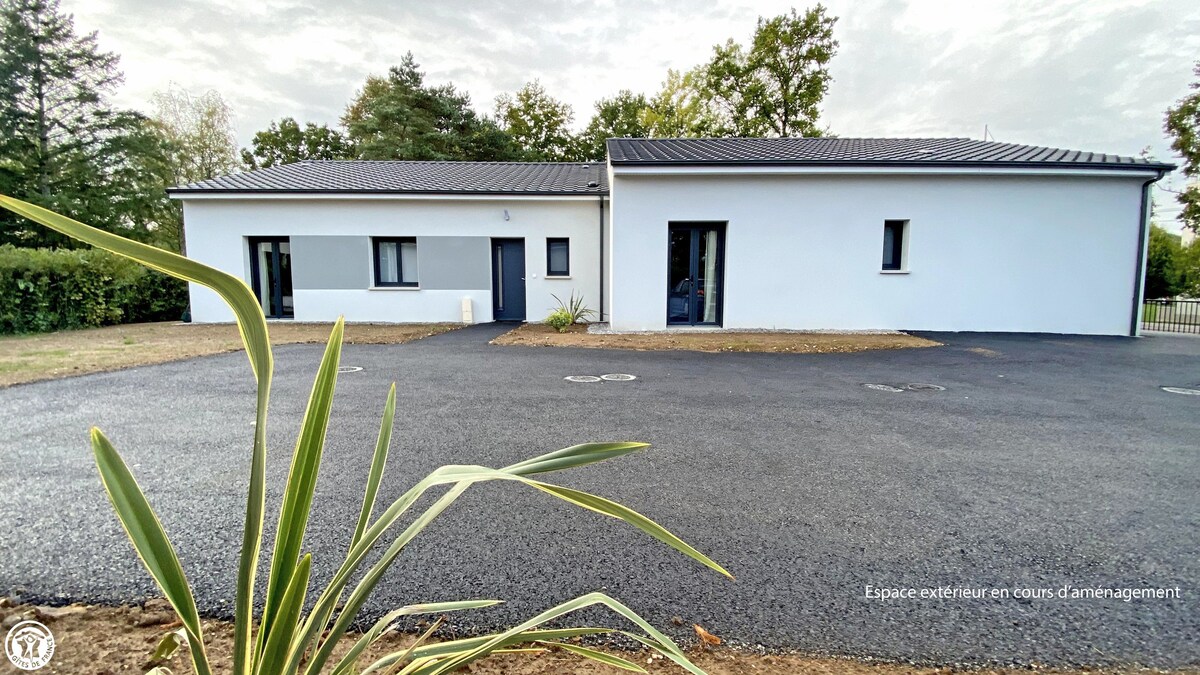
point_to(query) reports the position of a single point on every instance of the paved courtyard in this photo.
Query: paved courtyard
(1046, 461)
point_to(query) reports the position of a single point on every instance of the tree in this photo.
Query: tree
(539, 124)
(400, 117)
(61, 145)
(1183, 126)
(789, 61)
(618, 117)
(774, 87)
(285, 142)
(1163, 258)
(679, 109)
(200, 128)
(731, 90)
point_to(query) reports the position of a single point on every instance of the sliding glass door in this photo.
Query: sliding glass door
(271, 275)
(695, 273)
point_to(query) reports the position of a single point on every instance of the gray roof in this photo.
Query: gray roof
(859, 152)
(399, 177)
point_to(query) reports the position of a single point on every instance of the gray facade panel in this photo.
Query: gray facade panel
(454, 263)
(331, 262)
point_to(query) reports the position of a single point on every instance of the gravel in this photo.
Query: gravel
(1046, 461)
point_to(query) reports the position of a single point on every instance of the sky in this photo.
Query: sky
(1091, 75)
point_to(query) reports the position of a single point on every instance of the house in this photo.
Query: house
(777, 233)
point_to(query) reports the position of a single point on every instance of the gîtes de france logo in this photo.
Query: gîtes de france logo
(29, 645)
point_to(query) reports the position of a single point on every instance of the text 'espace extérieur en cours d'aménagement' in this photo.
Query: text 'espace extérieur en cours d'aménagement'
(1064, 592)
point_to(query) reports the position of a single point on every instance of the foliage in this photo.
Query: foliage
(789, 67)
(574, 308)
(61, 144)
(285, 142)
(287, 639)
(679, 109)
(1162, 270)
(560, 319)
(200, 129)
(45, 290)
(773, 87)
(539, 123)
(1183, 126)
(401, 117)
(616, 117)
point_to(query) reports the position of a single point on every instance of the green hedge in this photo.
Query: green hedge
(45, 290)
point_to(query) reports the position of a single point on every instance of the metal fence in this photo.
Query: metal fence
(1171, 314)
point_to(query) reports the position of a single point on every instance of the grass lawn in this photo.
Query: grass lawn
(541, 335)
(29, 358)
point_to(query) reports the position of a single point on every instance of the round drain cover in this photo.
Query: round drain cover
(917, 386)
(1187, 391)
(883, 387)
(349, 369)
(618, 377)
(581, 378)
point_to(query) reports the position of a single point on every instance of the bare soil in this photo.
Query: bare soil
(111, 640)
(29, 358)
(541, 335)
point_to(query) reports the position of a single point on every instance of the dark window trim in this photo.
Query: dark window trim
(899, 234)
(551, 272)
(375, 242)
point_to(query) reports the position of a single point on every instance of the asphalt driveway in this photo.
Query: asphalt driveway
(1046, 461)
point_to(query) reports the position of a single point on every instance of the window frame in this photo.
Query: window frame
(899, 251)
(550, 272)
(399, 283)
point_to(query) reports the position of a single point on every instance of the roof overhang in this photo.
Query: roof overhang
(640, 168)
(381, 196)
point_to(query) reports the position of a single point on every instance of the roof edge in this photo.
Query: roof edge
(384, 193)
(991, 164)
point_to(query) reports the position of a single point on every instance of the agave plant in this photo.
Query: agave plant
(288, 640)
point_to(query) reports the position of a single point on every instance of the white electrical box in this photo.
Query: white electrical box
(467, 315)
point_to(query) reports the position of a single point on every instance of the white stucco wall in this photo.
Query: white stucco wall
(217, 232)
(985, 253)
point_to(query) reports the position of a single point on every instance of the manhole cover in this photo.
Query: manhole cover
(581, 378)
(883, 387)
(1186, 391)
(349, 369)
(917, 386)
(618, 377)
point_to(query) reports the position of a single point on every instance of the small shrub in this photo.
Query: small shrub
(560, 320)
(574, 309)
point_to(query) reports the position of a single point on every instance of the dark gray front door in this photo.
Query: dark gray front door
(508, 279)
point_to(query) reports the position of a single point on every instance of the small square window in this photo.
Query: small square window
(395, 261)
(558, 257)
(894, 233)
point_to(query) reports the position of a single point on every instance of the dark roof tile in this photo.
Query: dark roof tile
(858, 151)
(352, 176)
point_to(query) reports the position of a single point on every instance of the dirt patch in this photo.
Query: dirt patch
(541, 335)
(111, 640)
(29, 358)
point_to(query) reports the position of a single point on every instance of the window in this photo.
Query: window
(894, 232)
(558, 257)
(395, 261)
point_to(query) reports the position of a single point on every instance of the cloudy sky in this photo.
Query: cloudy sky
(1082, 74)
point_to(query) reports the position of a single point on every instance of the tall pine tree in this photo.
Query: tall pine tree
(61, 144)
